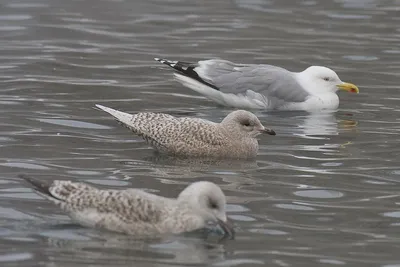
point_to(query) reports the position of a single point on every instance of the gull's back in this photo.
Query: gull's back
(271, 81)
(130, 211)
(193, 137)
(176, 135)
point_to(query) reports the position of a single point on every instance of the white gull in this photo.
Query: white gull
(253, 86)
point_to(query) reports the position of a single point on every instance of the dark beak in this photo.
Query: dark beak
(228, 228)
(268, 131)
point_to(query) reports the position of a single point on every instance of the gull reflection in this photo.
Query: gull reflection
(109, 247)
(324, 123)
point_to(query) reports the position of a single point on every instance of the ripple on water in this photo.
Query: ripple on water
(392, 214)
(109, 182)
(294, 207)
(332, 261)
(268, 231)
(64, 234)
(391, 51)
(14, 17)
(360, 58)
(12, 28)
(9, 213)
(20, 239)
(239, 262)
(75, 124)
(24, 165)
(6, 139)
(242, 218)
(15, 257)
(84, 172)
(347, 16)
(236, 208)
(319, 193)
(26, 5)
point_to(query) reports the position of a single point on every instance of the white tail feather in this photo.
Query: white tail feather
(119, 115)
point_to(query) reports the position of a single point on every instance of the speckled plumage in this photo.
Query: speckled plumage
(234, 137)
(135, 212)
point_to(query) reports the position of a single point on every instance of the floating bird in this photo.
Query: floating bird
(234, 137)
(201, 205)
(252, 86)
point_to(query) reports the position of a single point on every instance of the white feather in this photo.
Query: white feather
(119, 115)
(250, 100)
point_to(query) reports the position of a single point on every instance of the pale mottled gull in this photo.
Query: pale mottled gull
(201, 205)
(234, 137)
(261, 86)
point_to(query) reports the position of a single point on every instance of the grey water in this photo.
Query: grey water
(323, 192)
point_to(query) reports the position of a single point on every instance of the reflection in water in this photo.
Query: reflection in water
(106, 247)
(188, 167)
(169, 168)
(323, 124)
(364, 4)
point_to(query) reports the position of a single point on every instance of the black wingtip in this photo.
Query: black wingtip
(186, 69)
(40, 186)
(167, 62)
(161, 60)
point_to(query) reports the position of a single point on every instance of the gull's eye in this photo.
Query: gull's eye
(213, 205)
(326, 79)
(246, 123)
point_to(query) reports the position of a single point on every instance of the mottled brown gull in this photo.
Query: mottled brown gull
(201, 205)
(261, 86)
(234, 137)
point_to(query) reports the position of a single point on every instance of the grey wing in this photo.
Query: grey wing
(271, 81)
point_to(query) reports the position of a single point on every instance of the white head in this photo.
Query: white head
(207, 198)
(246, 123)
(321, 79)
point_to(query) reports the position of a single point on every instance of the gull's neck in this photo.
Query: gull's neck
(305, 82)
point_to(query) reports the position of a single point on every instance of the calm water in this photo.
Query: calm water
(323, 192)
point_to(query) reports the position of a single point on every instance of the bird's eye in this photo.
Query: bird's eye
(326, 79)
(213, 205)
(247, 123)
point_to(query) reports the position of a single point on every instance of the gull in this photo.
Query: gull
(253, 86)
(234, 137)
(201, 205)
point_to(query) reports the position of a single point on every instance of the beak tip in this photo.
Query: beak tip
(349, 87)
(228, 228)
(268, 131)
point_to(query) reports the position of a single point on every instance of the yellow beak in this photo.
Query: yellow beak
(349, 87)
